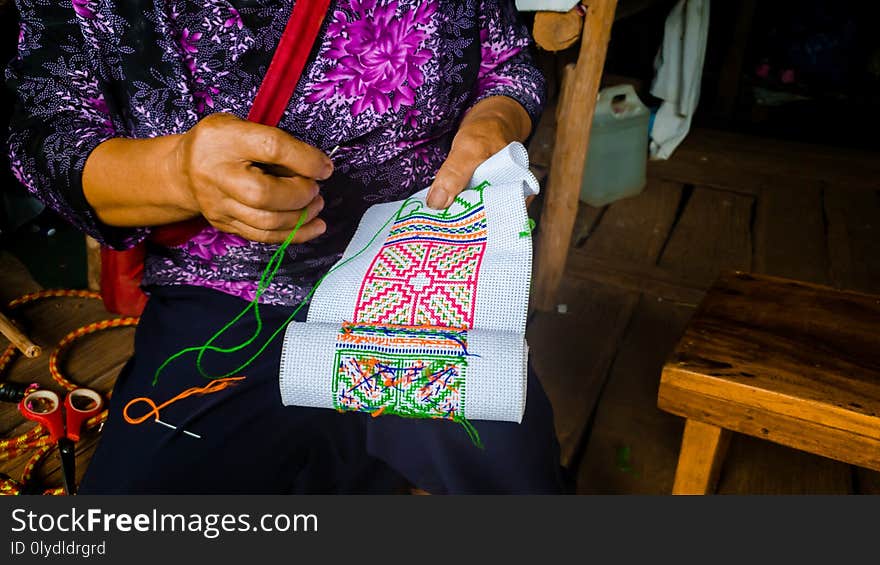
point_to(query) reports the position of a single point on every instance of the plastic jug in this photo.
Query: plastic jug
(618, 154)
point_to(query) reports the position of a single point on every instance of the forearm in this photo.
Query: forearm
(132, 182)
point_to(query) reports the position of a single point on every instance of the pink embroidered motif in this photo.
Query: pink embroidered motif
(426, 272)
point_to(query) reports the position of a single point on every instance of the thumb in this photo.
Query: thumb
(452, 178)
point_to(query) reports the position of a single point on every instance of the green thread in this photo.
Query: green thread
(624, 460)
(471, 431)
(265, 280)
(529, 229)
(427, 383)
(464, 203)
(481, 187)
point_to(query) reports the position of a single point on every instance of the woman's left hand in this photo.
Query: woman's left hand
(487, 128)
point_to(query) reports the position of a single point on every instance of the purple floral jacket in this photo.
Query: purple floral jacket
(388, 82)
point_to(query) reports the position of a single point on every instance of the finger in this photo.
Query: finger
(453, 176)
(256, 189)
(265, 220)
(281, 151)
(310, 231)
(306, 233)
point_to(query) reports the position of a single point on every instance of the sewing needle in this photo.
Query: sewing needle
(167, 425)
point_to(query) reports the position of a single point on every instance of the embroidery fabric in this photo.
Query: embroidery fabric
(409, 372)
(426, 319)
(426, 272)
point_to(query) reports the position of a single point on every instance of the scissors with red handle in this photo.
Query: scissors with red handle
(63, 423)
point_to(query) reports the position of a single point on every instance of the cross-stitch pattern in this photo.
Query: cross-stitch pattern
(424, 315)
(426, 272)
(407, 371)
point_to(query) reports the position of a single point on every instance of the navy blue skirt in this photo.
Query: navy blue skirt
(251, 443)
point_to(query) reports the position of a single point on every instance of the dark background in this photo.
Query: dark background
(832, 47)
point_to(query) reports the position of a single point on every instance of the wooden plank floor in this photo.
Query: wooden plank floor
(723, 201)
(92, 361)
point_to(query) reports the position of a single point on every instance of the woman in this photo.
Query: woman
(130, 116)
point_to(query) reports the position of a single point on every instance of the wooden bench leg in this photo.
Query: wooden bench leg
(703, 448)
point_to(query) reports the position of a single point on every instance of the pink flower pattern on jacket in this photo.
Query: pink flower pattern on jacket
(210, 243)
(379, 54)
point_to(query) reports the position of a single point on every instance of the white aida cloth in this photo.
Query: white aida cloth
(496, 371)
(497, 358)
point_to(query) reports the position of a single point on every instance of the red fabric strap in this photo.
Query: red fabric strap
(288, 62)
(274, 94)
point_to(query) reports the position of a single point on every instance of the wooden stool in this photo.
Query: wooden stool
(790, 362)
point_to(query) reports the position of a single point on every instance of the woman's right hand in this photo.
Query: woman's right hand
(250, 179)
(244, 178)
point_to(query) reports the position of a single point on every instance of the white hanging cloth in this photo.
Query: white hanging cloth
(545, 5)
(679, 71)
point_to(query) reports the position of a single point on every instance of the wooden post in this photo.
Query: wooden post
(93, 262)
(577, 104)
(731, 72)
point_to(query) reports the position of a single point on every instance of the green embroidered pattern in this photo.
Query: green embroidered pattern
(406, 371)
(406, 351)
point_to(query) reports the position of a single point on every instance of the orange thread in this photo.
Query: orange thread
(212, 387)
(399, 229)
